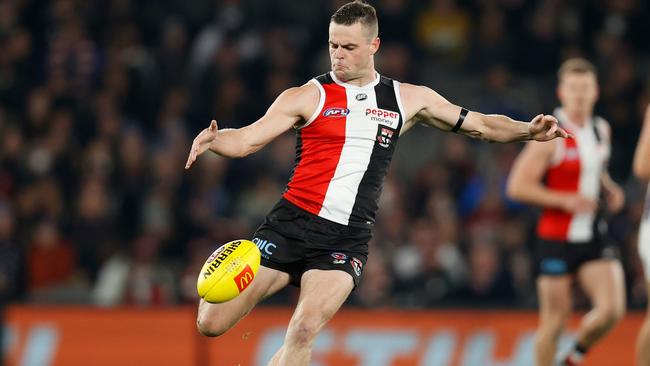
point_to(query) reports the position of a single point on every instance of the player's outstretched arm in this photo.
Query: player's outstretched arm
(292, 106)
(426, 106)
(642, 154)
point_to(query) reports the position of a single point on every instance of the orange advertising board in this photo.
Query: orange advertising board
(85, 336)
(77, 336)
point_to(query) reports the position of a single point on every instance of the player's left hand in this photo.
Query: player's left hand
(545, 128)
(615, 199)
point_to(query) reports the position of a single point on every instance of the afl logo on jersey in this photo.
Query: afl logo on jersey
(336, 112)
(361, 96)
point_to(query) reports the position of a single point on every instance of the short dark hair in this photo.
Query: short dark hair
(576, 65)
(357, 11)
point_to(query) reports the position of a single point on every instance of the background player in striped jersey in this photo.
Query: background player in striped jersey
(566, 178)
(642, 171)
(347, 123)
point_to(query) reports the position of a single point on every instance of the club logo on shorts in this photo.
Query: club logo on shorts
(336, 112)
(609, 252)
(361, 96)
(357, 265)
(339, 258)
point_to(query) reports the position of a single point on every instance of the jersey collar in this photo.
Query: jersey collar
(371, 84)
(563, 118)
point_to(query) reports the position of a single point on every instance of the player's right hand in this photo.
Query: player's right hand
(202, 142)
(545, 128)
(576, 204)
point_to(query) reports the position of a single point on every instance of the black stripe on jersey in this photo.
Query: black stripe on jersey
(366, 202)
(324, 79)
(298, 156)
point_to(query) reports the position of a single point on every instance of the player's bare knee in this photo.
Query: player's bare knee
(210, 327)
(552, 332)
(553, 328)
(619, 313)
(303, 335)
(303, 331)
(611, 315)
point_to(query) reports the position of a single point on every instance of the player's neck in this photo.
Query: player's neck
(577, 117)
(363, 79)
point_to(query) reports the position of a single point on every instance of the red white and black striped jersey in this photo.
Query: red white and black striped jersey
(343, 151)
(576, 167)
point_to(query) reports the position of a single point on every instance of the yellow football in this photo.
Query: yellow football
(228, 271)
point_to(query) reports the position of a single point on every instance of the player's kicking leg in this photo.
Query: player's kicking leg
(215, 319)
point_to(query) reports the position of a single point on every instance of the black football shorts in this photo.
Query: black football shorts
(294, 241)
(554, 258)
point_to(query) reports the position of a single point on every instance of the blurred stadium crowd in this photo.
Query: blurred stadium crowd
(99, 102)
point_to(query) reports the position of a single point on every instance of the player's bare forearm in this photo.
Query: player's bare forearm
(232, 143)
(287, 110)
(504, 129)
(537, 195)
(498, 128)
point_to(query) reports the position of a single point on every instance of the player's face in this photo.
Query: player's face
(578, 92)
(351, 49)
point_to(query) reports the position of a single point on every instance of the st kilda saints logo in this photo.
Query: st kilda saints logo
(357, 265)
(384, 136)
(339, 258)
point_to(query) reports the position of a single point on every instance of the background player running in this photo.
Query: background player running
(565, 177)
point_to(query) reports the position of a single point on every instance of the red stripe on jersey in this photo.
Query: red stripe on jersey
(564, 177)
(322, 142)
